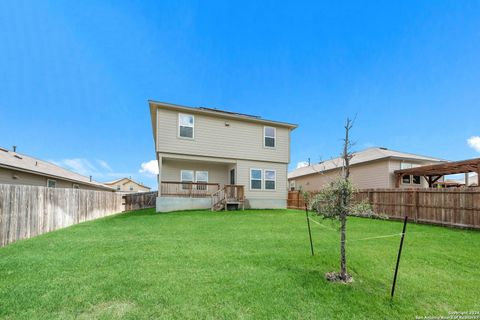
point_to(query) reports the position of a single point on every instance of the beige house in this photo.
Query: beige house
(20, 169)
(208, 158)
(127, 185)
(370, 168)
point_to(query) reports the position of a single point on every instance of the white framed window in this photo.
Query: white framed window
(269, 137)
(51, 183)
(131, 188)
(186, 176)
(406, 179)
(292, 185)
(118, 188)
(201, 177)
(416, 180)
(186, 126)
(270, 177)
(76, 186)
(256, 179)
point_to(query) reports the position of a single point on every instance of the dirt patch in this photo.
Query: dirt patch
(336, 277)
(109, 309)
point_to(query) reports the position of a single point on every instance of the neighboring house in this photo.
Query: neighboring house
(127, 185)
(20, 169)
(472, 180)
(370, 168)
(208, 157)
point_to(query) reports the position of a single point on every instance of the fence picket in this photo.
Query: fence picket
(449, 207)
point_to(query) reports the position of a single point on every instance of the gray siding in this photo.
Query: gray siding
(24, 178)
(217, 172)
(239, 140)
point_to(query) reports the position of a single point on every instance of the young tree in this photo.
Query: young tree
(335, 201)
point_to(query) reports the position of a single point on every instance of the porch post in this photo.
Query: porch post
(159, 176)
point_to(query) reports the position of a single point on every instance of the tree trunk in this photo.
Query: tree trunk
(343, 238)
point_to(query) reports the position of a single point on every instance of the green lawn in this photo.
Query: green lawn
(230, 265)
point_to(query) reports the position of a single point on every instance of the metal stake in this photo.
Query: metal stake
(309, 231)
(398, 257)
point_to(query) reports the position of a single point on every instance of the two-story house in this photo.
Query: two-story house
(209, 158)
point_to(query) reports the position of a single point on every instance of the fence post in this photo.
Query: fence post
(416, 200)
(398, 257)
(309, 231)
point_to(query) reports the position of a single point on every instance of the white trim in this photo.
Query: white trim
(192, 126)
(410, 179)
(250, 180)
(54, 181)
(274, 137)
(204, 171)
(193, 175)
(265, 179)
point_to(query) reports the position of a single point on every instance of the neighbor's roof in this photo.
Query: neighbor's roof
(125, 178)
(20, 162)
(367, 155)
(214, 112)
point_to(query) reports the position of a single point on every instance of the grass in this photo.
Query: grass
(235, 265)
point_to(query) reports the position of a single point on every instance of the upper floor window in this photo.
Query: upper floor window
(118, 188)
(51, 183)
(131, 188)
(76, 186)
(186, 126)
(269, 137)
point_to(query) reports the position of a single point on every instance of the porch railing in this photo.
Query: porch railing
(188, 189)
(234, 192)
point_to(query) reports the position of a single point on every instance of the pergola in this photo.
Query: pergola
(432, 173)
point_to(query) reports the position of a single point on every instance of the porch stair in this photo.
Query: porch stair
(228, 196)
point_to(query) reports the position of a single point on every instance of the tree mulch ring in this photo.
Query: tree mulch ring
(336, 277)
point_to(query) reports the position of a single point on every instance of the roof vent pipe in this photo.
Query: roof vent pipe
(14, 148)
(90, 178)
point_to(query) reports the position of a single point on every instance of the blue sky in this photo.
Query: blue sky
(75, 77)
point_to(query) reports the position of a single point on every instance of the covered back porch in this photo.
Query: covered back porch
(198, 183)
(433, 173)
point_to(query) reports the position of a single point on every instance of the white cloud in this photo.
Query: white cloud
(104, 165)
(149, 167)
(302, 164)
(78, 165)
(474, 143)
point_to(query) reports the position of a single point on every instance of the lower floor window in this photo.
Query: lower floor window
(406, 179)
(76, 186)
(263, 179)
(51, 183)
(417, 180)
(201, 177)
(270, 178)
(186, 176)
(256, 179)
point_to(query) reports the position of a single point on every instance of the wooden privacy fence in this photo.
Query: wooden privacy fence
(143, 200)
(448, 207)
(27, 211)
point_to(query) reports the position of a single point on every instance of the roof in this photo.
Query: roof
(125, 178)
(20, 162)
(367, 155)
(215, 113)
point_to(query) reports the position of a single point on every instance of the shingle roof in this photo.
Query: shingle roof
(366, 155)
(125, 178)
(21, 162)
